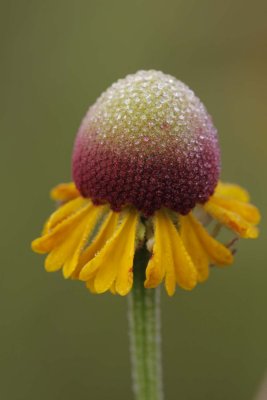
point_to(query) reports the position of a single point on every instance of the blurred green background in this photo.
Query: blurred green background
(57, 340)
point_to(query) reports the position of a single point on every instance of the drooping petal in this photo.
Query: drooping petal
(185, 270)
(124, 279)
(231, 219)
(104, 234)
(246, 210)
(47, 242)
(155, 270)
(113, 288)
(233, 191)
(64, 212)
(217, 253)
(195, 249)
(169, 258)
(161, 263)
(86, 229)
(66, 254)
(90, 285)
(64, 192)
(114, 262)
(63, 253)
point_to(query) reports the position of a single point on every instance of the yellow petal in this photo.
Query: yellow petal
(113, 288)
(63, 252)
(232, 220)
(155, 270)
(114, 262)
(66, 254)
(105, 232)
(124, 279)
(90, 285)
(46, 243)
(86, 229)
(185, 271)
(170, 276)
(230, 190)
(247, 211)
(217, 252)
(170, 258)
(64, 192)
(64, 212)
(194, 247)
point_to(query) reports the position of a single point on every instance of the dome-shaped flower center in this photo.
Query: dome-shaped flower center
(149, 142)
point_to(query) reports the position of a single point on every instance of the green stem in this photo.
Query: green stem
(145, 341)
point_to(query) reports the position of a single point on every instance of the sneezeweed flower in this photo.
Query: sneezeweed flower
(146, 166)
(145, 206)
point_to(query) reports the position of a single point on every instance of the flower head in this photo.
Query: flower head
(148, 141)
(146, 164)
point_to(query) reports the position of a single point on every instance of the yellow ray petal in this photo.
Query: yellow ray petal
(88, 269)
(86, 229)
(114, 261)
(217, 252)
(63, 252)
(66, 254)
(247, 211)
(232, 220)
(170, 258)
(105, 232)
(113, 288)
(170, 276)
(64, 192)
(194, 248)
(46, 243)
(185, 271)
(168, 261)
(124, 278)
(90, 284)
(230, 190)
(64, 212)
(155, 270)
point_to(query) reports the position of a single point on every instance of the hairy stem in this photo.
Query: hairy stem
(145, 337)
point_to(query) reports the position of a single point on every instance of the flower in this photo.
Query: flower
(146, 165)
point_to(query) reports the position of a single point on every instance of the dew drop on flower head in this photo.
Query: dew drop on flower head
(149, 142)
